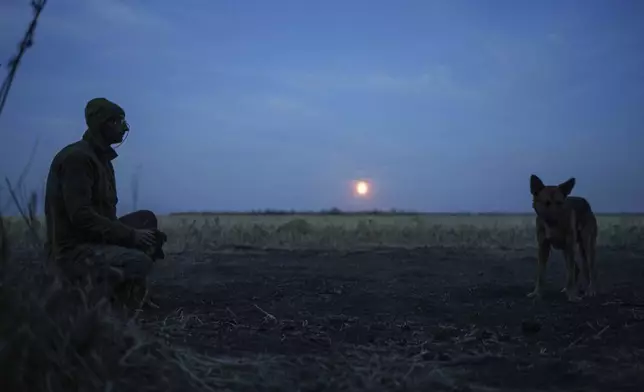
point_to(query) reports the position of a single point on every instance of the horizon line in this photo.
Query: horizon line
(335, 211)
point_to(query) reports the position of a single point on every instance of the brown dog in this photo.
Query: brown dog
(562, 222)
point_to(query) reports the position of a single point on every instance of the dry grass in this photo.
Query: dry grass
(196, 233)
(350, 232)
(52, 339)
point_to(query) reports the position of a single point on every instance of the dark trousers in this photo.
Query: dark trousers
(115, 269)
(146, 220)
(141, 219)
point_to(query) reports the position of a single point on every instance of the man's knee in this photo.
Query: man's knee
(148, 218)
(141, 219)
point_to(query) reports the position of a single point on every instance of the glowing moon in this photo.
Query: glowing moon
(362, 188)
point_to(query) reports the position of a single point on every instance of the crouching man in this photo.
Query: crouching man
(85, 239)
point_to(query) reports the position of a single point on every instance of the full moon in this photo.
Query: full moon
(362, 188)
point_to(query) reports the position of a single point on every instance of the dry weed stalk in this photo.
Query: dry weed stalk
(26, 43)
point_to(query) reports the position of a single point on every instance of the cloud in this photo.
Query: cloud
(101, 29)
(555, 38)
(14, 19)
(123, 13)
(104, 22)
(437, 80)
(251, 113)
(290, 106)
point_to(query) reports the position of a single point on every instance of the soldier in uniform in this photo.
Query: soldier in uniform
(85, 239)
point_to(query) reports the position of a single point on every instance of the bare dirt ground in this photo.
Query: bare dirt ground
(424, 319)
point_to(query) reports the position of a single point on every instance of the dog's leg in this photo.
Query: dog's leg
(590, 242)
(575, 277)
(542, 261)
(584, 264)
(572, 291)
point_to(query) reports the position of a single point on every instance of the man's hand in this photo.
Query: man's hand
(144, 238)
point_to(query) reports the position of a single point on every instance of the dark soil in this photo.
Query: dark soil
(424, 319)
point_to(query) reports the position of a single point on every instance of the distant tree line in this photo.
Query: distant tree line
(337, 211)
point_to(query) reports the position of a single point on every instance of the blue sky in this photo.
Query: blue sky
(237, 105)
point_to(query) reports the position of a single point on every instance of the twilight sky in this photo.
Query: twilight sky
(445, 105)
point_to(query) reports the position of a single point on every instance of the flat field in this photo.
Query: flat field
(427, 302)
(342, 303)
(315, 231)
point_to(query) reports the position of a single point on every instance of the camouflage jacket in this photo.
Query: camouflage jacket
(80, 200)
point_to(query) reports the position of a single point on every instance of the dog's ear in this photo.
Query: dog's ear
(536, 185)
(566, 187)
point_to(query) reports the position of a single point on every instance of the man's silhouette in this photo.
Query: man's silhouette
(84, 236)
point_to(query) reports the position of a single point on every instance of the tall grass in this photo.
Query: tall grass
(363, 231)
(54, 338)
(196, 233)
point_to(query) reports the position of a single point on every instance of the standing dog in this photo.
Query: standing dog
(562, 222)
